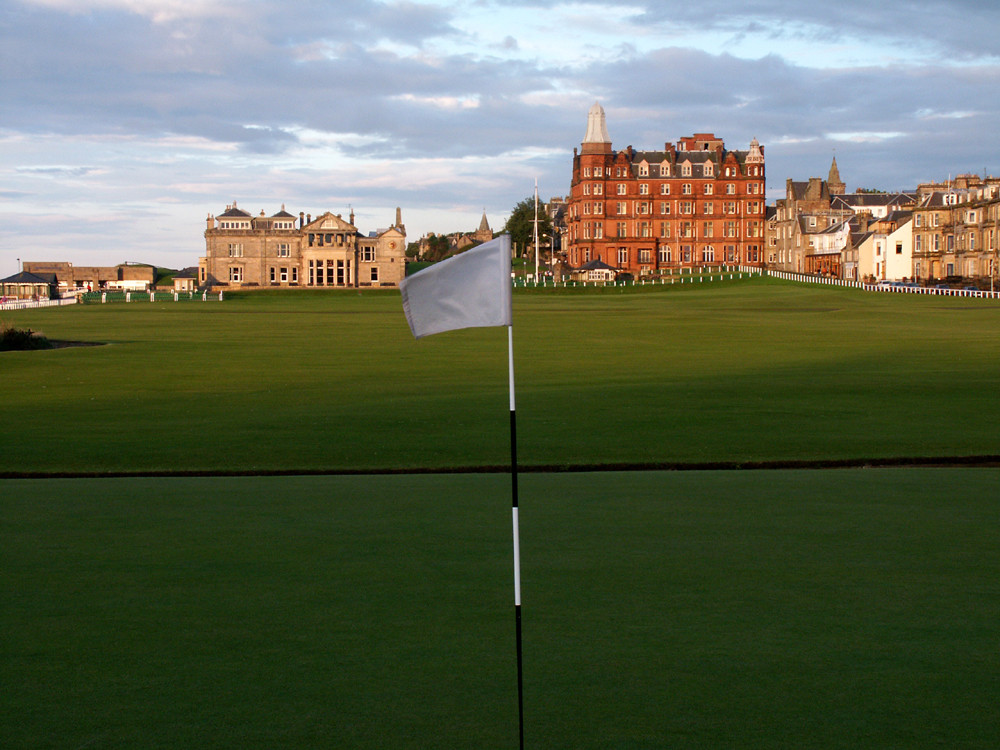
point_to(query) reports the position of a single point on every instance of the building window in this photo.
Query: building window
(709, 188)
(643, 188)
(707, 229)
(598, 189)
(685, 170)
(686, 253)
(664, 255)
(273, 276)
(709, 169)
(644, 229)
(687, 207)
(621, 188)
(664, 229)
(586, 188)
(623, 256)
(664, 170)
(645, 255)
(664, 207)
(621, 229)
(730, 188)
(708, 254)
(586, 171)
(665, 189)
(236, 274)
(295, 274)
(622, 207)
(284, 275)
(283, 250)
(708, 208)
(687, 229)
(643, 170)
(235, 250)
(374, 276)
(368, 254)
(686, 188)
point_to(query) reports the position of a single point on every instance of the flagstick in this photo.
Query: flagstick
(517, 541)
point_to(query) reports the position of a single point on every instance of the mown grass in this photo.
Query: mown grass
(789, 609)
(757, 371)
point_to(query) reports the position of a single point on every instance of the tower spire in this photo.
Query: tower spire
(596, 139)
(834, 184)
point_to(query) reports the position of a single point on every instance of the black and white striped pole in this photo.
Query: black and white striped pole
(517, 540)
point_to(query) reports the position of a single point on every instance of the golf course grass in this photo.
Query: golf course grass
(792, 608)
(730, 372)
(782, 609)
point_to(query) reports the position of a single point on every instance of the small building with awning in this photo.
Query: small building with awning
(595, 270)
(27, 285)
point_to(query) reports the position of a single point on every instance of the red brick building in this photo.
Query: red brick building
(642, 212)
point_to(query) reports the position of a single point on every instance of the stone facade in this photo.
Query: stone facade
(956, 231)
(643, 212)
(279, 251)
(127, 276)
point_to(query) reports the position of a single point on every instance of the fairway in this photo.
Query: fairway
(790, 609)
(730, 372)
(279, 521)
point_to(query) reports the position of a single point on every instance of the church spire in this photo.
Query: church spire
(833, 182)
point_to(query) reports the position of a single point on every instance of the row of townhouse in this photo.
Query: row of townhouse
(937, 232)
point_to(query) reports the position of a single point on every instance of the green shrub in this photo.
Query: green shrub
(21, 339)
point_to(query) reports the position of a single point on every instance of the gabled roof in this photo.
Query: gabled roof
(234, 212)
(596, 265)
(318, 222)
(26, 277)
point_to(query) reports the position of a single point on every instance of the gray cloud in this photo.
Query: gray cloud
(391, 82)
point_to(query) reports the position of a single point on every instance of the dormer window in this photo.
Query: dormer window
(686, 169)
(664, 170)
(644, 170)
(709, 169)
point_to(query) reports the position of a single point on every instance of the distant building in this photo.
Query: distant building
(810, 233)
(956, 230)
(457, 241)
(642, 212)
(27, 285)
(885, 252)
(129, 277)
(277, 251)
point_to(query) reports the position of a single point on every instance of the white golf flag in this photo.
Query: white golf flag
(469, 290)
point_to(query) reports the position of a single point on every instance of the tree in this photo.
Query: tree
(520, 226)
(438, 247)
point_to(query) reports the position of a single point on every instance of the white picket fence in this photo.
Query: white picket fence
(24, 304)
(895, 289)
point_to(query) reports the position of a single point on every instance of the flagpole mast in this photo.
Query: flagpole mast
(536, 231)
(517, 540)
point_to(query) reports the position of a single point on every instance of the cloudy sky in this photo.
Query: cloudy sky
(123, 123)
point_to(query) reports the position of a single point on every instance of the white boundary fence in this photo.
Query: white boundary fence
(24, 304)
(892, 288)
